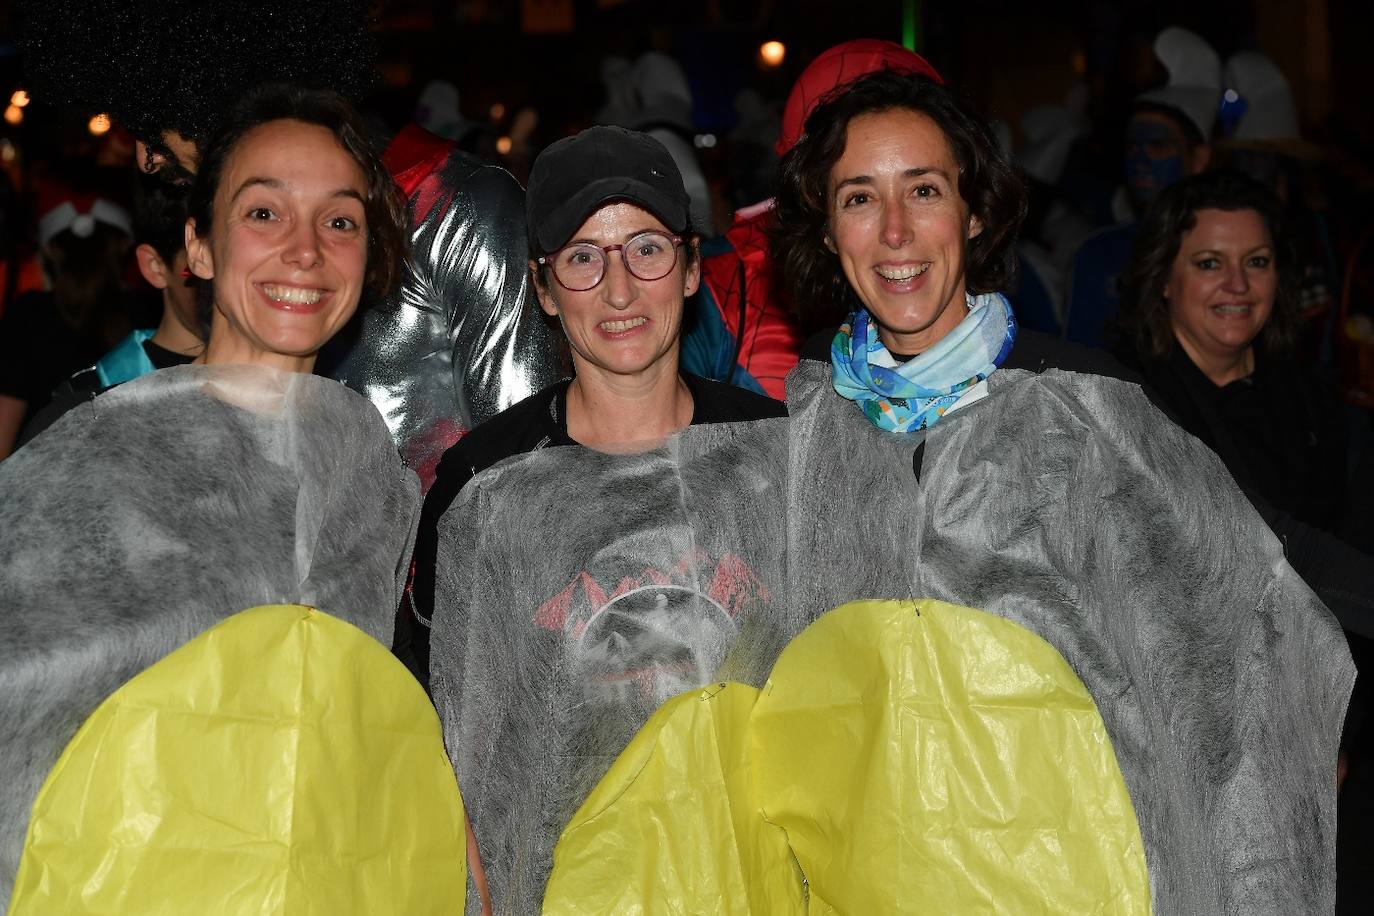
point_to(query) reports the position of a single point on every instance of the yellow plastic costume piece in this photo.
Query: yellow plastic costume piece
(673, 827)
(903, 757)
(283, 762)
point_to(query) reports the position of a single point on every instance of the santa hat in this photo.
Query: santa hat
(65, 210)
(836, 67)
(1194, 86)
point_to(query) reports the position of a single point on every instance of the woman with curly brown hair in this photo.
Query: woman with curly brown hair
(1209, 316)
(1062, 501)
(920, 278)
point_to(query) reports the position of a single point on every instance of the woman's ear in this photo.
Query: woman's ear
(692, 281)
(975, 226)
(198, 257)
(546, 300)
(829, 242)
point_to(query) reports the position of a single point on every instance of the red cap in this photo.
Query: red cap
(843, 64)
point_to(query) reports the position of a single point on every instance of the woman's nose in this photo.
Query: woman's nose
(1237, 280)
(619, 283)
(896, 229)
(303, 246)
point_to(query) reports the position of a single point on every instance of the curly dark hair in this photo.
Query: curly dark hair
(177, 65)
(160, 217)
(387, 222)
(1143, 316)
(820, 293)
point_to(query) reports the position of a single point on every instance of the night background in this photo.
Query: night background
(504, 78)
(504, 56)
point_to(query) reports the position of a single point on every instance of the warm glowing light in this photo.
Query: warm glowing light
(498, 111)
(7, 151)
(19, 99)
(771, 53)
(503, 145)
(14, 114)
(98, 125)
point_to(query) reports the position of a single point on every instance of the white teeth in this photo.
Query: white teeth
(902, 273)
(616, 327)
(1232, 309)
(293, 294)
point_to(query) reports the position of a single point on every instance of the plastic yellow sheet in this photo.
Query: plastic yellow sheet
(903, 757)
(282, 762)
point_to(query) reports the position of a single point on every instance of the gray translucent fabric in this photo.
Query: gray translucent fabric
(1063, 502)
(164, 506)
(462, 338)
(580, 591)
(1067, 503)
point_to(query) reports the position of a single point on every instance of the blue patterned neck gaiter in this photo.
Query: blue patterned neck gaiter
(913, 396)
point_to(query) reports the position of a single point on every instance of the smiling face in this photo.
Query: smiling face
(900, 226)
(287, 250)
(623, 326)
(1222, 285)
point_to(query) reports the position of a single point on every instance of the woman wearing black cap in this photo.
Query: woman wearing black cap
(613, 258)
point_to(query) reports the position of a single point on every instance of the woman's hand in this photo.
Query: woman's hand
(479, 874)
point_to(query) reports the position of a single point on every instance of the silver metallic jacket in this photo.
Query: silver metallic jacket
(462, 338)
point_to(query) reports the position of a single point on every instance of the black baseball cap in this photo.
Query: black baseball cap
(573, 177)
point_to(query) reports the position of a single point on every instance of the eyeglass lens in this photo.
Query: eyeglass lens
(649, 257)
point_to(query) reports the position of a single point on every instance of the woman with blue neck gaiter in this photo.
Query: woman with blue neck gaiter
(920, 210)
(1063, 502)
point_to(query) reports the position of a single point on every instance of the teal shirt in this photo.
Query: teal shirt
(128, 360)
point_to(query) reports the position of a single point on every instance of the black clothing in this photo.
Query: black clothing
(1278, 431)
(84, 385)
(38, 350)
(1340, 575)
(537, 422)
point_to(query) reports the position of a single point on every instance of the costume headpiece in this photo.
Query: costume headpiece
(1194, 86)
(837, 66)
(80, 213)
(1269, 110)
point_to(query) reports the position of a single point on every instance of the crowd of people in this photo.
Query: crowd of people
(908, 521)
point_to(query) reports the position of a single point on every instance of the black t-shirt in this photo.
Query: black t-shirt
(38, 350)
(537, 422)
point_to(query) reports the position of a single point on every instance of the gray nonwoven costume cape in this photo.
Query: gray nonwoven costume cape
(1063, 502)
(164, 506)
(590, 591)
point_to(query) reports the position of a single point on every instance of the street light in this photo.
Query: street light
(771, 54)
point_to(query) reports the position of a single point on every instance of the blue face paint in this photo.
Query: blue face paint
(1154, 158)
